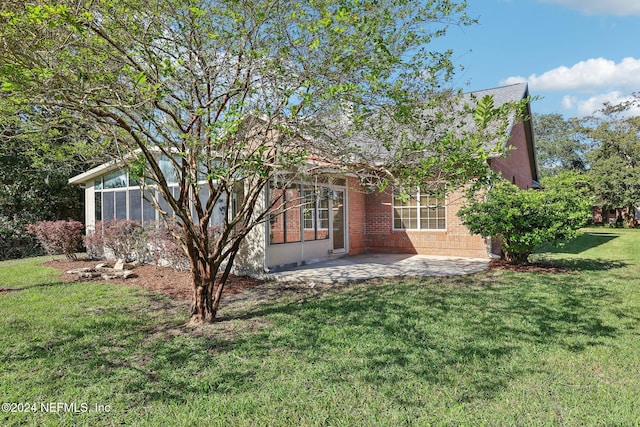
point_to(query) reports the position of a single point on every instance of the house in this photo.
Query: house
(340, 217)
(615, 216)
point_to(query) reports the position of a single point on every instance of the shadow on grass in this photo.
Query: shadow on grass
(579, 264)
(52, 284)
(448, 332)
(584, 242)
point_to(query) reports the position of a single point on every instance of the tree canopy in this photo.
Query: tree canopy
(40, 149)
(615, 160)
(236, 94)
(559, 144)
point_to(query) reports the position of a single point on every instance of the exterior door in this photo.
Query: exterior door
(338, 217)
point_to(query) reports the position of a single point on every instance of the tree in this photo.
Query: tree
(524, 219)
(237, 95)
(559, 147)
(35, 163)
(571, 181)
(615, 162)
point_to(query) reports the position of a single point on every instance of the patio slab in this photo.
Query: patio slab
(370, 266)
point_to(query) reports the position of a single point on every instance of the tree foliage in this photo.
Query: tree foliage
(559, 144)
(237, 94)
(15, 241)
(524, 219)
(37, 157)
(615, 160)
(36, 162)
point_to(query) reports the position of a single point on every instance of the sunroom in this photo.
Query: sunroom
(309, 220)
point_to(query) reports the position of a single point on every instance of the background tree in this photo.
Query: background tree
(572, 181)
(559, 144)
(615, 160)
(35, 163)
(524, 219)
(240, 94)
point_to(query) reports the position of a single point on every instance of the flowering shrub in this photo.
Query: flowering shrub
(58, 237)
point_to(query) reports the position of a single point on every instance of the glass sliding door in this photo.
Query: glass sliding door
(338, 220)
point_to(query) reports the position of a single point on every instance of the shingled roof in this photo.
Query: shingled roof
(502, 95)
(456, 115)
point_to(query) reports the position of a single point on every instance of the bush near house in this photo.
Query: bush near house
(164, 247)
(58, 237)
(524, 219)
(123, 239)
(132, 241)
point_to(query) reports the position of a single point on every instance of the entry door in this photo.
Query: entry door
(338, 221)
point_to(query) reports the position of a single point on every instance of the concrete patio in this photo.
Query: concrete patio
(370, 266)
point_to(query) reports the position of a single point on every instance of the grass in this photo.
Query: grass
(497, 348)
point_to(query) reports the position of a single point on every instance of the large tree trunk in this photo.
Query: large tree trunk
(202, 310)
(202, 307)
(207, 287)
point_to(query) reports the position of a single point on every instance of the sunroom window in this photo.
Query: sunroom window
(298, 206)
(117, 197)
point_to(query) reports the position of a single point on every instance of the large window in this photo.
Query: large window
(117, 197)
(315, 213)
(285, 222)
(300, 213)
(419, 211)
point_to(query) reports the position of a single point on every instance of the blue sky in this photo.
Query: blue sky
(576, 54)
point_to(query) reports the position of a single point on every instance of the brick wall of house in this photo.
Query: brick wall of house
(516, 166)
(610, 216)
(454, 241)
(371, 215)
(356, 217)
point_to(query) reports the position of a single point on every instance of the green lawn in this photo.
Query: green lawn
(498, 348)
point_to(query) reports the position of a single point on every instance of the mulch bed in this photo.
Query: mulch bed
(500, 264)
(176, 284)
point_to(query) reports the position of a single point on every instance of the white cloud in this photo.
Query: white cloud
(588, 106)
(602, 7)
(588, 85)
(592, 74)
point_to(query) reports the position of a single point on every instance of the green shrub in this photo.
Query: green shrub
(523, 219)
(15, 242)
